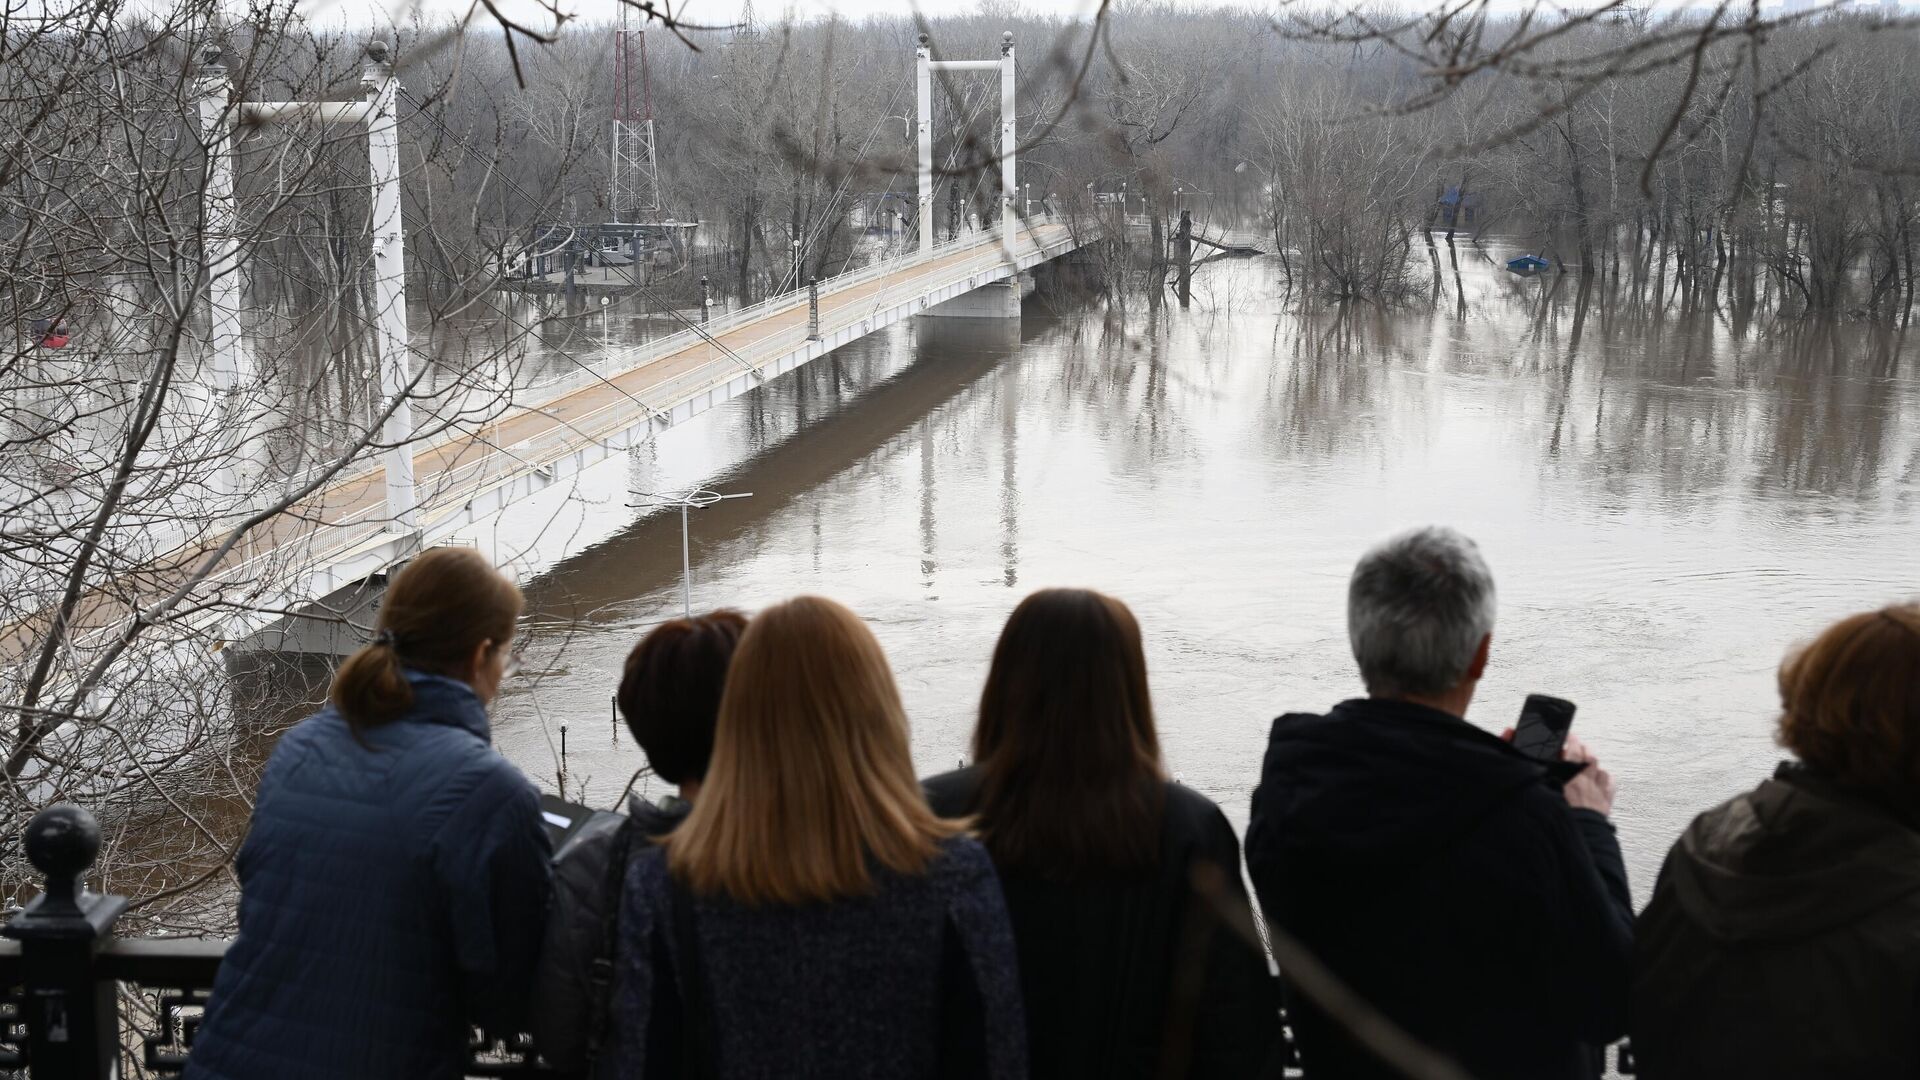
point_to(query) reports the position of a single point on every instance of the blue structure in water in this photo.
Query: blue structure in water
(1458, 208)
(1527, 264)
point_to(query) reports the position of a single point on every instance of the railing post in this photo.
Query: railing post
(813, 309)
(73, 1023)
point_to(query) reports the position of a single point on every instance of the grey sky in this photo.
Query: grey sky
(709, 12)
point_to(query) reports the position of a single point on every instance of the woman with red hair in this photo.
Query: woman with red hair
(1783, 938)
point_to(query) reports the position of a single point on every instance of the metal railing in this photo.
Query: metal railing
(66, 982)
(500, 463)
(626, 359)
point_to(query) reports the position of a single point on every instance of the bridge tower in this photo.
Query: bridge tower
(378, 114)
(635, 181)
(925, 65)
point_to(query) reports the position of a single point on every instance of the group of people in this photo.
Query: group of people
(805, 905)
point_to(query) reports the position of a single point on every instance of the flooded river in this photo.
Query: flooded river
(1667, 505)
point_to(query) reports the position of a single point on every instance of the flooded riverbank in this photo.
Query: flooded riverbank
(1667, 506)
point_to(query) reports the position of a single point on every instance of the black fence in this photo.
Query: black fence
(75, 997)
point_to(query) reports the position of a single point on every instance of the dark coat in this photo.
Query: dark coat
(1442, 876)
(1132, 976)
(1783, 940)
(572, 990)
(914, 981)
(392, 895)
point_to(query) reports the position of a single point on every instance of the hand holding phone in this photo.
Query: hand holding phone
(1593, 788)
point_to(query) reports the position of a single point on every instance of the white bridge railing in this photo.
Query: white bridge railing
(620, 361)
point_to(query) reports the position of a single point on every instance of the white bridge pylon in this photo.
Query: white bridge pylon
(379, 113)
(926, 65)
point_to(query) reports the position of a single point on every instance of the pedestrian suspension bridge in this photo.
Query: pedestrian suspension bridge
(422, 492)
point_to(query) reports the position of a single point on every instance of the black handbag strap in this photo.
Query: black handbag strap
(600, 975)
(698, 1059)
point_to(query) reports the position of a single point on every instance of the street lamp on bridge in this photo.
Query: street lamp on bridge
(691, 499)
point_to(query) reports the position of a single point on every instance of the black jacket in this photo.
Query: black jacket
(1101, 960)
(1783, 940)
(1442, 876)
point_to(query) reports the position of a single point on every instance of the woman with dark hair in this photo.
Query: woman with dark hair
(811, 916)
(1783, 936)
(394, 880)
(1128, 907)
(670, 696)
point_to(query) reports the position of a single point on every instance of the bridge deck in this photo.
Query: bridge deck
(342, 534)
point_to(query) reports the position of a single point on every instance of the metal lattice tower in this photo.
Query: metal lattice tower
(636, 174)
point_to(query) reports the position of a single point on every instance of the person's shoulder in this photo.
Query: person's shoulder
(485, 769)
(315, 733)
(647, 870)
(1188, 809)
(653, 820)
(1298, 726)
(1539, 809)
(1197, 824)
(964, 882)
(961, 863)
(463, 782)
(953, 794)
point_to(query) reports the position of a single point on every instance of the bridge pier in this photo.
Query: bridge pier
(331, 627)
(996, 300)
(1000, 300)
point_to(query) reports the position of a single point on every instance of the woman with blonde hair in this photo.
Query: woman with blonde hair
(811, 916)
(394, 880)
(1783, 937)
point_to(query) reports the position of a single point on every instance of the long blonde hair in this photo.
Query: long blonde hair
(811, 774)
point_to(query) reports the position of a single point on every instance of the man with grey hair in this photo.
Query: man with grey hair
(1474, 895)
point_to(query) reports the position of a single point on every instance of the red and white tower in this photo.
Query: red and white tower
(636, 176)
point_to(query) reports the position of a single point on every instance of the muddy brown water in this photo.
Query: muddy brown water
(1668, 504)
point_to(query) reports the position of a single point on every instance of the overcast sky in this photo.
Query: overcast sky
(708, 12)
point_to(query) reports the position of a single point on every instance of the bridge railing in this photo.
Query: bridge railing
(459, 484)
(619, 360)
(707, 374)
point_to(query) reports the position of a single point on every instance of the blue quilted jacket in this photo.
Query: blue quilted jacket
(392, 894)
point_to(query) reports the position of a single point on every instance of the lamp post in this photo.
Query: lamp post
(606, 332)
(796, 262)
(691, 499)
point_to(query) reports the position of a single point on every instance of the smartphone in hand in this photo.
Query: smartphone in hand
(1542, 731)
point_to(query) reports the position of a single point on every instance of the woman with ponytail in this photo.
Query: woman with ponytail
(394, 881)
